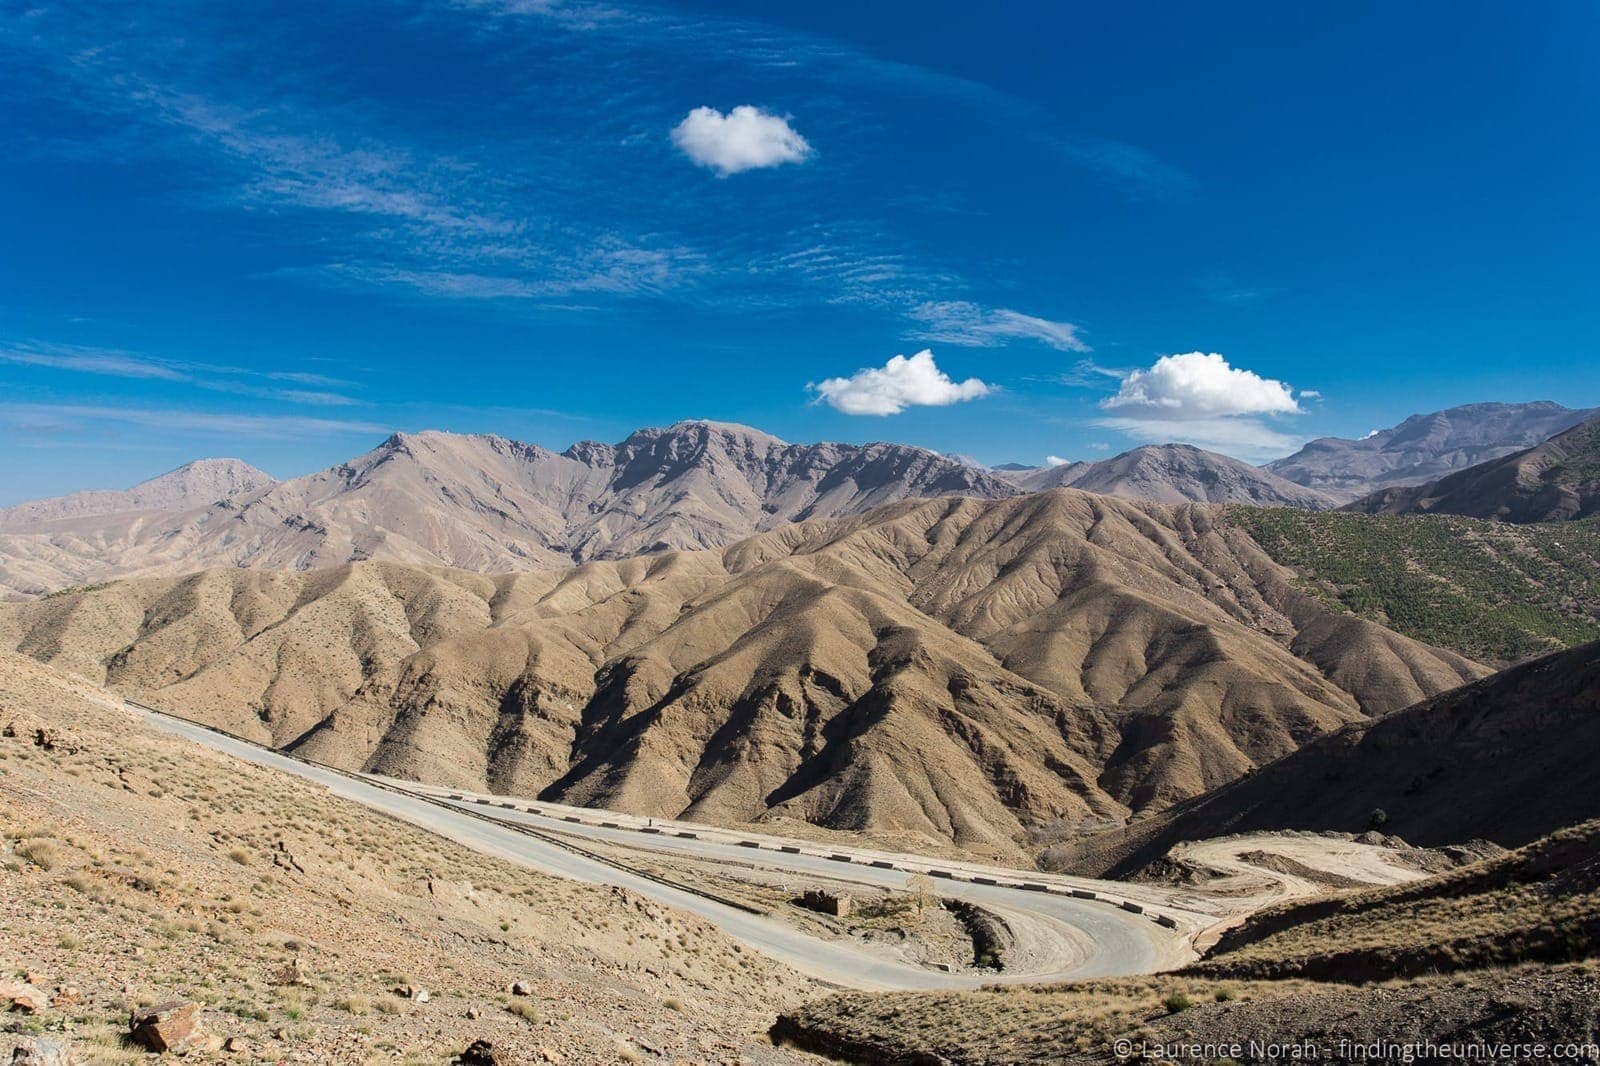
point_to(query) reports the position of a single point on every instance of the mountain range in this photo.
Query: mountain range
(1172, 473)
(705, 621)
(486, 503)
(955, 670)
(1425, 446)
(1555, 481)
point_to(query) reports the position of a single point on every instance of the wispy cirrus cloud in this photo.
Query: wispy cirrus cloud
(77, 418)
(309, 388)
(967, 323)
(89, 361)
(429, 199)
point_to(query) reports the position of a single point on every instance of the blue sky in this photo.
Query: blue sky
(281, 235)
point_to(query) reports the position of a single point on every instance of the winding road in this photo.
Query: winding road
(1124, 929)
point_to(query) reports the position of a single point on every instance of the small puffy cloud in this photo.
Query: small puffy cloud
(1310, 394)
(1199, 385)
(1055, 460)
(904, 381)
(963, 322)
(1369, 434)
(746, 138)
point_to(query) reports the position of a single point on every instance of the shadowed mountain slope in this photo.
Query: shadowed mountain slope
(1556, 481)
(952, 669)
(1425, 447)
(1507, 759)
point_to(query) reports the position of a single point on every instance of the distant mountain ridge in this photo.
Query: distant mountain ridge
(1425, 446)
(483, 502)
(192, 485)
(1555, 481)
(1172, 473)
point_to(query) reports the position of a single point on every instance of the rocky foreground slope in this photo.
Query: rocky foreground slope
(137, 869)
(951, 670)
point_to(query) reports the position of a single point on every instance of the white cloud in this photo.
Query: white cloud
(1310, 394)
(1198, 398)
(962, 322)
(1369, 434)
(746, 138)
(1055, 460)
(1199, 385)
(902, 382)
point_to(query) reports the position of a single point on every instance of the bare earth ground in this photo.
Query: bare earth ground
(1495, 951)
(135, 869)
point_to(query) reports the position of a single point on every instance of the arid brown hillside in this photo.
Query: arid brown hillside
(1506, 759)
(958, 669)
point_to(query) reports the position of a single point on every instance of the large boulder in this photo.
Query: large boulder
(171, 1026)
(23, 996)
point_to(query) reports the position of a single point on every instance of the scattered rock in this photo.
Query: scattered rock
(42, 1051)
(548, 1055)
(478, 1053)
(235, 1045)
(171, 1026)
(52, 739)
(521, 988)
(473, 1014)
(414, 993)
(66, 996)
(24, 996)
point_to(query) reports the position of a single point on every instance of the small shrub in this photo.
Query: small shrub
(355, 1003)
(41, 852)
(1177, 1002)
(524, 1010)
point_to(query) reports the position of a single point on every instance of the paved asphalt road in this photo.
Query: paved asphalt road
(1091, 938)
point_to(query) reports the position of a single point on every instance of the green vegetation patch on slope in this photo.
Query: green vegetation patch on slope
(1491, 591)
